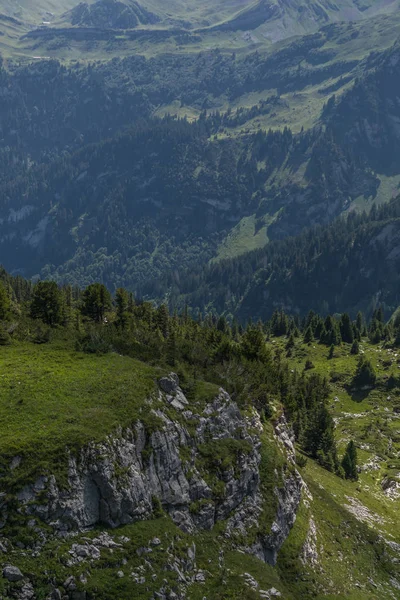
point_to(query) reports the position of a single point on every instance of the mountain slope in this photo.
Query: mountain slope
(350, 265)
(107, 27)
(120, 477)
(235, 12)
(282, 19)
(110, 14)
(189, 186)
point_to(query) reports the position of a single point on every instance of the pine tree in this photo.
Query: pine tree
(349, 461)
(253, 344)
(355, 349)
(308, 336)
(47, 303)
(122, 303)
(96, 301)
(4, 302)
(346, 329)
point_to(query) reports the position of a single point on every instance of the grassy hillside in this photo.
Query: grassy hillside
(53, 397)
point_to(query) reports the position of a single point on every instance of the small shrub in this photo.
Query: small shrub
(157, 507)
(95, 342)
(301, 460)
(41, 335)
(365, 374)
(5, 338)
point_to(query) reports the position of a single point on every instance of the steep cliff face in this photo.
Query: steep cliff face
(200, 468)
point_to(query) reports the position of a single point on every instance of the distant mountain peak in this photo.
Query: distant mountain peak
(111, 14)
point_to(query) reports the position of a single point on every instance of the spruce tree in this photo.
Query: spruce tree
(47, 303)
(122, 303)
(290, 343)
(359, 325)
(171, 349)
(162, 320)
(96, 301)
(319, 437)
(349, 461)
(365, 373)
(346, 329)
(308, 336)
(4, 302)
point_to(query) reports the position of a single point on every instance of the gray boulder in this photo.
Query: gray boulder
(169, 384)
(12, 573)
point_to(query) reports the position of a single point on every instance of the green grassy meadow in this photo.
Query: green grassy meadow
(52, 397)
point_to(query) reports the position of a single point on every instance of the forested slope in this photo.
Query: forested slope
(349, 265)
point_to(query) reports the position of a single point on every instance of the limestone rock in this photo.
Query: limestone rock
(289, 496)
(26, 592)
(97, 494)
(12, 573)
(169, 384)
(116, 482)
(309, 551)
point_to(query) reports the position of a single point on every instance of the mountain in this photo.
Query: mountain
(76, 204)
(110, 14)
(234, 14)
(105, 28)
(282, 19)
(199, 320)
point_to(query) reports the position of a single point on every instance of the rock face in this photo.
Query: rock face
(289, 496)
(119, 481)
(198, 478)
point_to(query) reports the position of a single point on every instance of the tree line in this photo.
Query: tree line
(234, 355)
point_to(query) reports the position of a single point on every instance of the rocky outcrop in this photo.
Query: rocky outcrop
(198, 466)
(309, 554)
(122, 479)
(289, 497)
